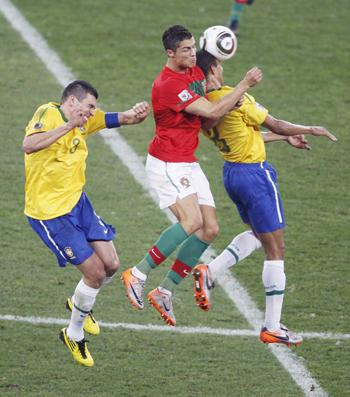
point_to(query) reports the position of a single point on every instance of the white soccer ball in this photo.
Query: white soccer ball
(219, 41)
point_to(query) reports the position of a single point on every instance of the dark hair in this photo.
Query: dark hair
(79, 88)
(205, 61)
(174, 35)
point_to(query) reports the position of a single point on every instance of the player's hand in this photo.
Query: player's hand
(77, 119)
(253, 76)
(142, 110)
(321, 131)
(136, 114)
(299, 142)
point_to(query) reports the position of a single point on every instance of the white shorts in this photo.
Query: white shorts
(177, 180)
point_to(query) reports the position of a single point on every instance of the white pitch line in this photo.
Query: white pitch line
(293, 365)
(165, 328)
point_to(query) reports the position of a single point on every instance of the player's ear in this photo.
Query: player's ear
(170, 53)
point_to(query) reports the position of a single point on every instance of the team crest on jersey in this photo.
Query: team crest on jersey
(69, 252)
(37, 126)
(185, 182)
(185, 96)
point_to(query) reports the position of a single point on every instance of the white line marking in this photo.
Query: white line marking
(165, 328)
(129, 158)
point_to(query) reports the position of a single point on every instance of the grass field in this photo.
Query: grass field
(303, 48)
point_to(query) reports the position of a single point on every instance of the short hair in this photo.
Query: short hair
(79, 88)
(205, 61)
(174, 35)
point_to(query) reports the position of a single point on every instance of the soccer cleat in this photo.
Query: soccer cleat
(79, 349)
(134, 288)
(90, 324)
(203, 285)
(283, 335)
(163, 304)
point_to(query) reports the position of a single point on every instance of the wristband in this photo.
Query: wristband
(112, 120)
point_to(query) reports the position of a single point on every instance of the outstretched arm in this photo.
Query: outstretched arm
(282, 127)
(297, 141)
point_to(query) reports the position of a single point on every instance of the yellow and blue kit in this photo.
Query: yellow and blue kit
(249, 180)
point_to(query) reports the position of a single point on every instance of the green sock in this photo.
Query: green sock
(236, 12)
(166, 244)
(187, 258)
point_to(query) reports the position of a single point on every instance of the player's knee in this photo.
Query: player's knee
(112, 266)
(211, 232)
(193, 224)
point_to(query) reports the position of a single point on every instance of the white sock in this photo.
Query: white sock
(83, 300)
(240, 247)
(274, 280)
(137, 273)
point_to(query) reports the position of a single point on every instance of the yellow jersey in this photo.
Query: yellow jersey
(55, 176)
(237, 135)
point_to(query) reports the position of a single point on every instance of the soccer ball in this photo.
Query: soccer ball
(219, 41)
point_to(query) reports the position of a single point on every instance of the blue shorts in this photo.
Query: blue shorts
(68, 236)
(253, 188)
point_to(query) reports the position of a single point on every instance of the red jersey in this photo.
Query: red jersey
(176, 136)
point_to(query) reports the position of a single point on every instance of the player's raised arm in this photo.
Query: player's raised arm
(215, 110)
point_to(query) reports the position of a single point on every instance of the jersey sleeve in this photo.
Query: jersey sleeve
(176, 95)
(253, 112)
(96, 122)
(44, 119)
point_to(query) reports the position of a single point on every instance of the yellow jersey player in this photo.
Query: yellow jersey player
(56, 206)
(251, 184)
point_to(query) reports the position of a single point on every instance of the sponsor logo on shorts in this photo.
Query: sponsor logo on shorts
(69, 252)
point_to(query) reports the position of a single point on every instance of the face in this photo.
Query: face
(86, 106)
(185, 55)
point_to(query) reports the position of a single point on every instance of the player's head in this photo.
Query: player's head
(173, 36)
(80, 89)
(210, 66)
(180, 47)
(80, 95)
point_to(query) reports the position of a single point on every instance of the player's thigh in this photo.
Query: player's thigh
(106, 251)
(187, 211)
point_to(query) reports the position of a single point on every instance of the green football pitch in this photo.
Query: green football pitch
(302, 48)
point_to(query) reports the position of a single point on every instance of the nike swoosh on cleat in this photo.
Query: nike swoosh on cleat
(165, 307)
(135, 295)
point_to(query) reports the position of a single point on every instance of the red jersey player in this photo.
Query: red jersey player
(179, 108)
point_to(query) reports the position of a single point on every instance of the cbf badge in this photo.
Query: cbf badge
(69, 252)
